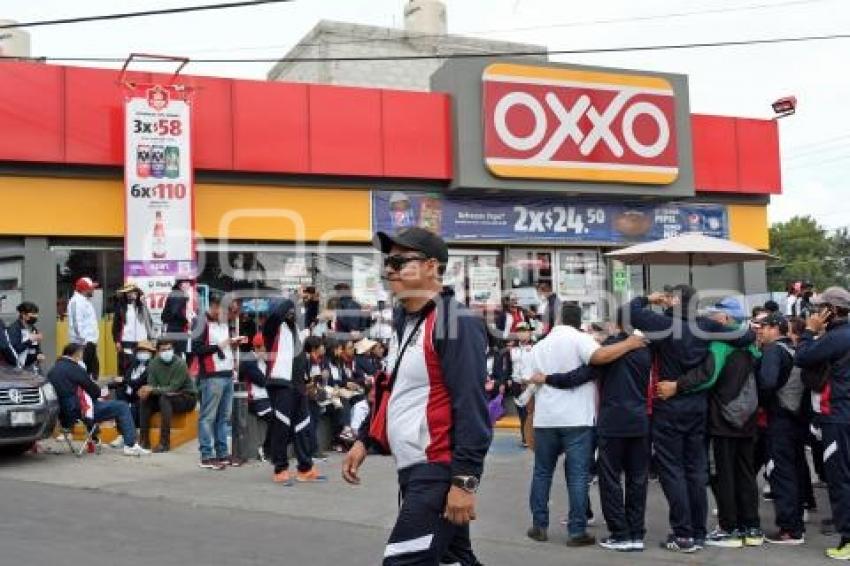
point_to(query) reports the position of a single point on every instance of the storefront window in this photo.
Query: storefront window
(105, 266)
(287, 272)
(475, 277)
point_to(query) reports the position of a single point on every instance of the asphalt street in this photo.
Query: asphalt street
(162, 510)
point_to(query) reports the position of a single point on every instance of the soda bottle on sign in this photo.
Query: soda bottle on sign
(143, 160)
(157, 161)
(158, 249)
(172, 161)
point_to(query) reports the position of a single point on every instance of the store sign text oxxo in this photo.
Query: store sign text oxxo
(565, 124)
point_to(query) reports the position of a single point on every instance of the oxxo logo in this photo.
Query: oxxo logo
(560, 123)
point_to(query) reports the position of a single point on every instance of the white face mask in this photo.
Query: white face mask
(167, 356)
(143, 356)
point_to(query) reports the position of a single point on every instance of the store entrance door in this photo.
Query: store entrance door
(575, 274)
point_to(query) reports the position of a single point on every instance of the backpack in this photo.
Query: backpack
(739, 410)
(790, 395)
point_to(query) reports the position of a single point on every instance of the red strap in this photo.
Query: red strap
(654, 377)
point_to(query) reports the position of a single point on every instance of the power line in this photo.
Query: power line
(393, 35)
(478, 55)
(126, 15)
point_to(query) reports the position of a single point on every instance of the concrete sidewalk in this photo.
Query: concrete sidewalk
(172, 482)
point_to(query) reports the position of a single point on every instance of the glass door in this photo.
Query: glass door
(581, 278)
(525, 269)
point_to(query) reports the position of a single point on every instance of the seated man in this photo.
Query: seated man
(169, 390)
(67, 376)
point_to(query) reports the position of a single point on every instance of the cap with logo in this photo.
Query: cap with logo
(834, 296)
(84, 284)
(729, 306)
(416, 239)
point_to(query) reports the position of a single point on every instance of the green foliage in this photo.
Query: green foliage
(808, 251)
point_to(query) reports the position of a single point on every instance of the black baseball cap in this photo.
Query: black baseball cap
(772, 319)
(417, 239)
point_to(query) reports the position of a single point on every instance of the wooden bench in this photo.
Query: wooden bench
(184, 428)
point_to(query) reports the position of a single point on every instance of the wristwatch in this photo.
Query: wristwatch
(467, 483)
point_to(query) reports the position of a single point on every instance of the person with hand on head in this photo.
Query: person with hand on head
(83, 324)
(680, 341)
(824, 347)
(25, 339)
(169, 390)
(437, 364)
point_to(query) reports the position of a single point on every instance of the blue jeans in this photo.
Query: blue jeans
(216, 405)
(549, 444)
(120, 411)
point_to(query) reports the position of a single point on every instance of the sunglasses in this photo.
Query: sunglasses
(397, 262)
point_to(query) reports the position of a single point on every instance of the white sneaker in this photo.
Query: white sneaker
(118, 442)
(805, 515)
(135, 450)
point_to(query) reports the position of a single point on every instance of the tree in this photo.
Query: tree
(806, 251)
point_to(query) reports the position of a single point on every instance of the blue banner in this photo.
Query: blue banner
(545, 218)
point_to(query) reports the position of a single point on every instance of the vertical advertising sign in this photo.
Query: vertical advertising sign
(159, 243)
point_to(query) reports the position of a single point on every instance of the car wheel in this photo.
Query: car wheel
(16, 449)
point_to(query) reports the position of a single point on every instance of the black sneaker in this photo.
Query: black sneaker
(618, 544)
(581, 540)
(211, 464)
(538, 534)
(680, 544)
(786, 538)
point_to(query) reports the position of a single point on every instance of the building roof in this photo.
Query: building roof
(341, 39)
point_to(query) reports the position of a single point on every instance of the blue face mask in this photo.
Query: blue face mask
(167, 356)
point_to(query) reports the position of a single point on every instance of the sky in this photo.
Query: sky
(739, 81)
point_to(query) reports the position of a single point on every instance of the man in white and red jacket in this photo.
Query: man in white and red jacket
(436, 419)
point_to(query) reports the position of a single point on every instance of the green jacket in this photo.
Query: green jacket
(718, 353)
(170, 378)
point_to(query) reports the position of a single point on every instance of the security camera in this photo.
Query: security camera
(785, 106)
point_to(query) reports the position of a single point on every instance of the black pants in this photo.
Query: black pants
(788, 456)
(91, 361)
(736, 489)
(680, 452)
(836, 463)
(125, 359)
(290, 425)
(167, 406)
(624, 516)
(421, 536)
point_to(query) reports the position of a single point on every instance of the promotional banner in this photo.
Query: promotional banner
(544, 218)
(159, 235)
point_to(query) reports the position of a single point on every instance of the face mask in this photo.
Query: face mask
(143, 356)
(131, 298)
(82, 364)
(167, 356)
(32, 320)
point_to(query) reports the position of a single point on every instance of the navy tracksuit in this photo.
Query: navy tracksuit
(623, 430)
(833, 413)
(786, 433)
(679, 423)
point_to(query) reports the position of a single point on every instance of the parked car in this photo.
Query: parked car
(28, 410)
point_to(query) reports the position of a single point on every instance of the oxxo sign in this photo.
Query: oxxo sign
(566, 124)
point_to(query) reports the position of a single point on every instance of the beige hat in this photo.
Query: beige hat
(364, 345)
(128, 287)
(146, 345)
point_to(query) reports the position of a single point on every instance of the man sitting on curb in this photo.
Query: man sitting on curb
(169, 390)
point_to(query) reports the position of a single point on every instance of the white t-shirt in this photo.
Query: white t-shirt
(562, 351)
